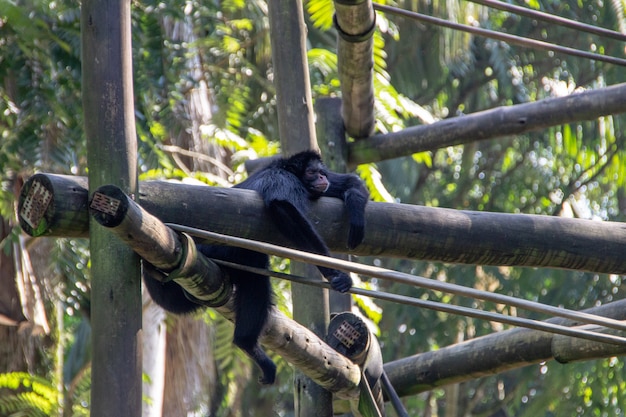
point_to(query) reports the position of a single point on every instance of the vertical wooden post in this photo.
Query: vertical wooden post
(112, 156)
(296, 126)
(355, 22)
(331, 135)
(297, 133)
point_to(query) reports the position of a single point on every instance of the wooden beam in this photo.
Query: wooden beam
(295, 109)
(498, 352)
(489, 124)
(109, 121)
(355, 21)
(394, 230)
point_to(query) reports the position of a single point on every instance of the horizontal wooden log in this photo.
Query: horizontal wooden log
(173, 254)
(309, 353)
(567, 349)
(144, 233)
(489, 124)
(495, 353)
(54, 205)
(394, 230)
(406, 231)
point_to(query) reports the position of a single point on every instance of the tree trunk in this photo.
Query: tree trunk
(10, 306)
(190, 379)
(154, 342)
(189, 366)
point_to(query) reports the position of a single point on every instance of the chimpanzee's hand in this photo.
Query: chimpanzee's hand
(340, 282)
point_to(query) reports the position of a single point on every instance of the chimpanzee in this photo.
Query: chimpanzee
(287, 186)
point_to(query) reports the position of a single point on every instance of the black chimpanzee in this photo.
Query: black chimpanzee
(287, 186)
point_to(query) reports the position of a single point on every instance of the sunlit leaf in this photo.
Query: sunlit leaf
(321, 12)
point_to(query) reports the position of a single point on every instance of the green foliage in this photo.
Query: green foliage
(27, 395)
(370, 309)
(70, 264)
(323, 69)
(40, 106)
(372, 178)
(321, 13)
(422, 74)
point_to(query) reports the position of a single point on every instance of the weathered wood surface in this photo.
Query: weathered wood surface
(143, 232)
(173, 254)
(498, 352)
(489, 124)
(482, 356)
(54, 205)
(109, 122)
(395, 230)
(355, 24)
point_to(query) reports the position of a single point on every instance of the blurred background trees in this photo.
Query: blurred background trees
(204, 101)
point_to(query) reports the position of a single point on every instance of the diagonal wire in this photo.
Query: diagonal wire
(512, 39)
(550, 18)
(442, 307)
(400, 277)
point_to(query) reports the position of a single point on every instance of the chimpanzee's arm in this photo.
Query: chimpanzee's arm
(351, 190)
(292, 224)
(287, 187)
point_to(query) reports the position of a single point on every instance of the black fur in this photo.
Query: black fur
(287, 186)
